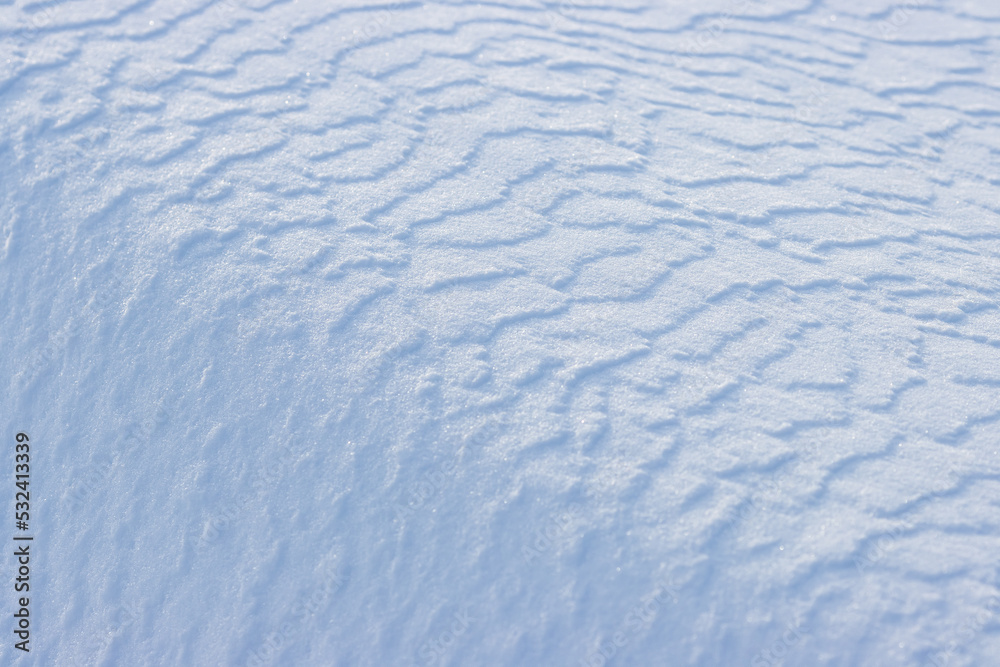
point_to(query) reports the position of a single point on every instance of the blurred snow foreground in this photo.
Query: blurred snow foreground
(516, 333)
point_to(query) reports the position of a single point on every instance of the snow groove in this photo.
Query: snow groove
(721, 276)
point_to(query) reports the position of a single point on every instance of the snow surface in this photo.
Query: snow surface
(503, 333)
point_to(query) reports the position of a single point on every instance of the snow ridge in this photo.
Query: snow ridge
(507, 333)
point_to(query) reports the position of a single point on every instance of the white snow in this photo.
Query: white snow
(583, 333)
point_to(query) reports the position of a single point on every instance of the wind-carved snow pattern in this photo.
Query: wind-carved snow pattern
(506, 333)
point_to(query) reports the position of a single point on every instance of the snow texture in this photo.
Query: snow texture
(583, 333)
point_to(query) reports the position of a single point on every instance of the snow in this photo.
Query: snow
(597, 332)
